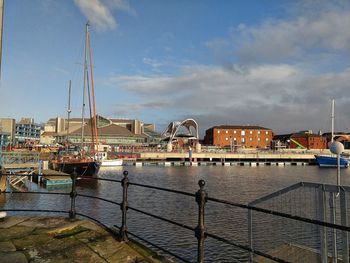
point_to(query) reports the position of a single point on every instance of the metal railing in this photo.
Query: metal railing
(309, 200)
(200, 231)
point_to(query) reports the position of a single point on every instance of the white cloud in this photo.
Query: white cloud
(122, 5)
(274, 40)
(283, 97)
(99, 12)
(154, 63)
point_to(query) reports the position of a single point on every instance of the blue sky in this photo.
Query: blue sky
(272, 63)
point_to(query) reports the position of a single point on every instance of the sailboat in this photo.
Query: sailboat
(84, 161)
(331, 160)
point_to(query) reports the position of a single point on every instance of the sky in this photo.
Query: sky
(274, 63)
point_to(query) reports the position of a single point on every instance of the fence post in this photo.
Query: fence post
(201, 199)
(250, 235)
(322, 217)
(344, 222)
(124, 207)
(73, 194)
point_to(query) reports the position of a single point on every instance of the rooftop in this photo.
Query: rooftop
(251, 127)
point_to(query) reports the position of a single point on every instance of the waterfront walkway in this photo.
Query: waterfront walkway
(57, 239)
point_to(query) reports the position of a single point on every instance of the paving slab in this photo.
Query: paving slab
(7, 246)
(13, 257)
(44, 222)
(10, 221)
(57, 239)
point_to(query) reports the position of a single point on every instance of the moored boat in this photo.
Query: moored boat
(84, 166)
(113, 162)
(331, 161)
(109, 162)
(83, 161)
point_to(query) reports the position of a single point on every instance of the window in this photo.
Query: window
(218, 131)
(235, 139)
(259, 139)
(250, 139)
(234, 132)
(243, 140)
(267, 132)
(226, 131)
(226, 139)
(267, 139)
(251, 132)
(242, 132)
(258, 132)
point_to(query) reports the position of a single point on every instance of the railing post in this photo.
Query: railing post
(322, 217)
(250, 235)
(73, 194)
(344, 222)
(201, 199)
(124, 207)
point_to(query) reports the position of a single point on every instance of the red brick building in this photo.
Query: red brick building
(307, 141)
(242, 136)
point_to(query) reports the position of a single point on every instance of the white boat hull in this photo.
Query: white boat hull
(113, 162)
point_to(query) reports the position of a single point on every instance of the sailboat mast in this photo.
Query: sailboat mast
(1, 29)
(69, 108)
(332, 121)
(84, 88)
(93, 97)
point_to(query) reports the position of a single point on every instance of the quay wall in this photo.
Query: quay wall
(234, 156)
(225, 159)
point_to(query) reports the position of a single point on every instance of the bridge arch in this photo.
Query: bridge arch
(173, 129)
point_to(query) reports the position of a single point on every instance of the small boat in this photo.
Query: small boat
(106, 162)
(331, 161)
(112, 162)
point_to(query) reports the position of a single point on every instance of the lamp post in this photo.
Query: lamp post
(336, 148)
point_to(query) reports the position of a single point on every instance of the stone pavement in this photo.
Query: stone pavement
(57, 239)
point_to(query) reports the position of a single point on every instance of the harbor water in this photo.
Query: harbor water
(240, 184)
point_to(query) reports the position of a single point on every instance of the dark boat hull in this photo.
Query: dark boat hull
(89, 169)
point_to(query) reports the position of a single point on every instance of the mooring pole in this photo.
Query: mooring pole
(124, 207)
(201, 199)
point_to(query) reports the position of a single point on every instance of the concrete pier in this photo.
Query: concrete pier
(233, 163)
(57, 239)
